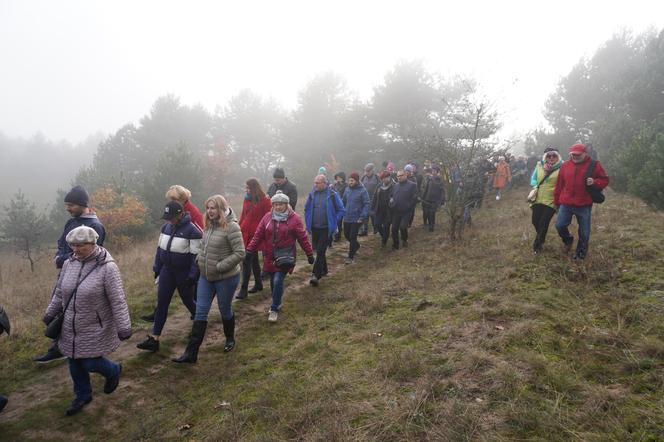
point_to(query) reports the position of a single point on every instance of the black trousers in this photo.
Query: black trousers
(320, 240)
(541, 218)
(250, 265)
(400, 221)
(429, 214)
(383, 224)
(350, 233)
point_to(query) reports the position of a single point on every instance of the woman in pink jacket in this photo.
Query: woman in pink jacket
(276, 235)
(96, 317)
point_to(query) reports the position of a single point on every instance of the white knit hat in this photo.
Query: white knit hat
(82, 235)
(280, 197)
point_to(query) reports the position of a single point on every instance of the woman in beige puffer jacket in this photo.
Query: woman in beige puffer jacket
(222, 251)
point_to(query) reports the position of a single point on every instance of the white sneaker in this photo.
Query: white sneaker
(272, 316)
(497, 197)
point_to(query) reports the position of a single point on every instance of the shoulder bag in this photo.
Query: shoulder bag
(532, 196)
(595, 194)
(282, 257)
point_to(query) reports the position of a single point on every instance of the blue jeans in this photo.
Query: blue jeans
(80, 370)
(224, 289)
(563, 221)
(277, 287)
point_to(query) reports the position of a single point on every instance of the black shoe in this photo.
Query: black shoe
(76, 406)
(579, 257)
(112, 383)
(430, 228)
(150, 344)
(362, 234)
(197, 334)
(242, 294)
(148, 318)
(313, 281)
(256, 288)
(53, 354)
(3, 402)
(229, 332)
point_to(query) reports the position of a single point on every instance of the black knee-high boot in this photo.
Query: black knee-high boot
(190, 354)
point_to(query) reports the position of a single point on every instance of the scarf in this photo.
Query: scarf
(280, 217)
(548, 166)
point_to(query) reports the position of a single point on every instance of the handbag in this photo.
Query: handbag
(532, 195)
(595, 194)
(282, 257)
(54, 328)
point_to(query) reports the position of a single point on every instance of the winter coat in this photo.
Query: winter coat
(380, 203)
(546, 189)
(177, 248)
(571, 186)
(288, 188)
(434, 191)
(87, 219)
(502, 175)
(98, 315)
(334, 207)
(405, 196)
(340, 188)
(371, 183)
(288, 232)
(252, 214)
(222, 251)
(194, 214)
(356, 202)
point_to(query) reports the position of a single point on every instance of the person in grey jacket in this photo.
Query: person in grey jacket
(356, 203)
(433, 196)
(96, 316)
(222, 251)
(371, 182)
(281, 183)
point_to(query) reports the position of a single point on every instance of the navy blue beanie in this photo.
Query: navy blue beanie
(77, 195)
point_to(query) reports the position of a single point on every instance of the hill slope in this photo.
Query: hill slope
(473, 341)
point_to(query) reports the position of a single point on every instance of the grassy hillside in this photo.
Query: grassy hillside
(474, 341)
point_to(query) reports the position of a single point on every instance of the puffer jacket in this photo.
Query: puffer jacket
(356, 202)
(98, 315)
(546, 189)
(288, 232)
(571, 187)
(251, 215)
(221, 251)
(177, 248)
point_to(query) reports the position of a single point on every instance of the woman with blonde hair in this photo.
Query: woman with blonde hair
(183, 196)
(221, 252)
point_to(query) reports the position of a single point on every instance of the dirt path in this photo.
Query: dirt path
(178, 325)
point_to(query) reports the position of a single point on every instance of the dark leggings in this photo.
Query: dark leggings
(251, 264)
(350, 233)
(320, 239)
(400, 226)
(168, 282)
(541, 218)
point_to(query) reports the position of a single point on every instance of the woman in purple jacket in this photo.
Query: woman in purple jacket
(96, 316)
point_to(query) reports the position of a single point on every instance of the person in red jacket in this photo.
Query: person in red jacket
(572, 197)
(256, 205)
(276, 234)
(183, 196)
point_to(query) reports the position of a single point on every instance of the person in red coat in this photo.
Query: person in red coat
(256, 205)
(572, 197)
(277, 232)
(183, 196)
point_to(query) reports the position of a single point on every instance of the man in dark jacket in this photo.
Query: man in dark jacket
(573, 198)
(339, 186)
(323, 211)
(380, 205)
(433, 197)
(175, 266)
(286, 187)
(77, 203)
(403, 203)
(371, 182)
(356, 203)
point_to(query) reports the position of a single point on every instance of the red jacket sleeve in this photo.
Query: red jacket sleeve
(258, 235)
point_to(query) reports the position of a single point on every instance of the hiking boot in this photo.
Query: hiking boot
(149, 317)
(349, 260)
(313, 281)
(112, 383)
(579, 257)
(242, 294)
(272, 316)
(229, 333)
(76, 406)
(53, 354)
(196, 336)
(150, 344)
(256, 288)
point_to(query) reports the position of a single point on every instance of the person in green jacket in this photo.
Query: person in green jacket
(222, 251)
(544, 178)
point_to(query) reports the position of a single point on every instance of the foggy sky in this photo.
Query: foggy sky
(70, 68)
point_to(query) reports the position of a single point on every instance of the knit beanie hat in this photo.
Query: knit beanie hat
(77, 195)
(355, 176)
(279, 173)
(550, 149)
(408, 168)
(82, 235)
(341, 175)
(322, 170)
(280, 197)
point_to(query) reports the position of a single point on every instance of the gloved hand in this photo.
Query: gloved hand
(311, 259)
(124, 335)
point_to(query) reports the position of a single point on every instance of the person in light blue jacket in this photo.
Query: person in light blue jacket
(356, 201)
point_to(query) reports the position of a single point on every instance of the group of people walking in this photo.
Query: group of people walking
(203, 255)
